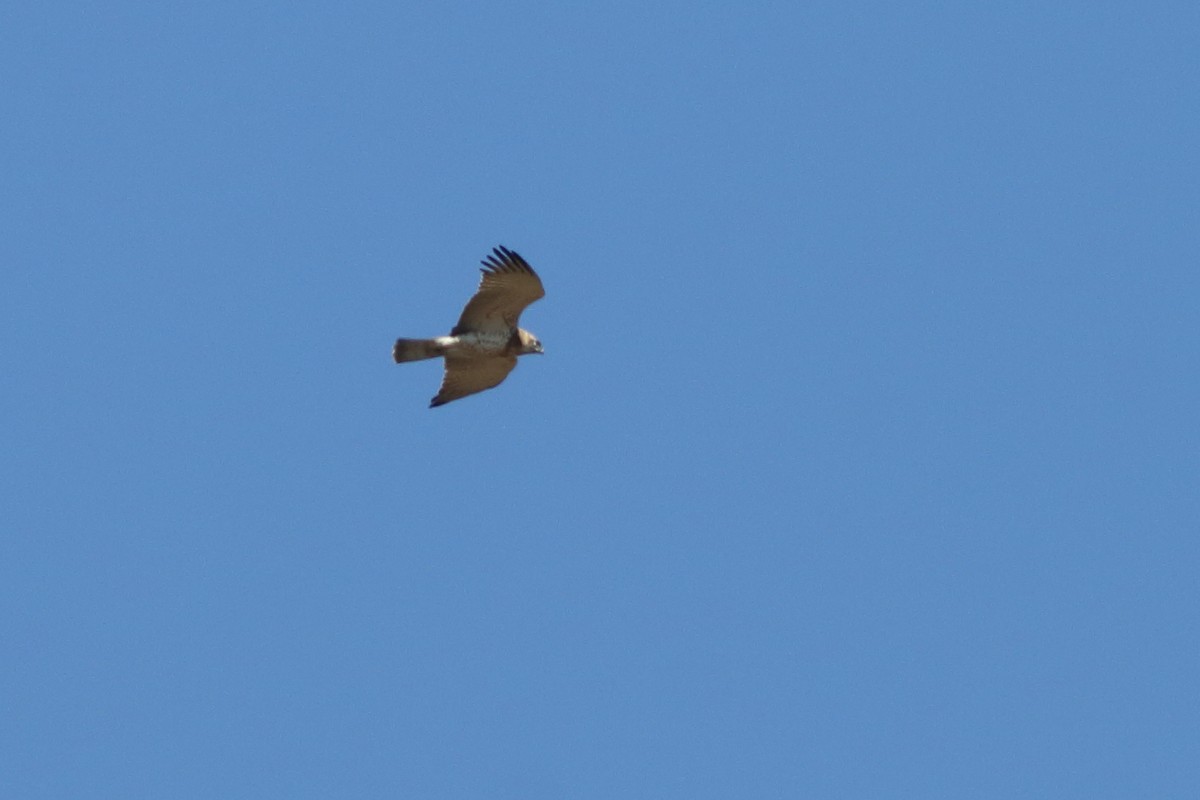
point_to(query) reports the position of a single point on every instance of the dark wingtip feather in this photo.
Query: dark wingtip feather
(502, 259)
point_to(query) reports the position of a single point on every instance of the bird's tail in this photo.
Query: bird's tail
(416, 350)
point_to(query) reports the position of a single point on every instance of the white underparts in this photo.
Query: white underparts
(476, 342)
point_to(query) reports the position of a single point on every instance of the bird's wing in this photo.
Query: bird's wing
(508, 285)
(466, 376)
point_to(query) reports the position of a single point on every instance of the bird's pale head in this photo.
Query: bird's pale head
(529, 342)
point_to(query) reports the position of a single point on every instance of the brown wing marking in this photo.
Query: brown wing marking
(466, 376)
(507, 287)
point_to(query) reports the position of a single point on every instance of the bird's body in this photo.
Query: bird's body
(484, 345)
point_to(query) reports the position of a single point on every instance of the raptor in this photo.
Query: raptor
(483, 347)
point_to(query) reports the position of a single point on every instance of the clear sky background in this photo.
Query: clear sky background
(864, 460)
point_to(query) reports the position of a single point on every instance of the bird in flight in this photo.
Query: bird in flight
(483, 347)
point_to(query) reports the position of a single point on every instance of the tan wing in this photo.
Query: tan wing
(466, 376)
(508, 285)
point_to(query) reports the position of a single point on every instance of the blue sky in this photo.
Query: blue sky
(863, 461)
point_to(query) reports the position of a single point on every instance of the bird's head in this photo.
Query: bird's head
(529, 343)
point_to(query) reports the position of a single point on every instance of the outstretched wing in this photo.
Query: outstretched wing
(466, 376)
(508, 285)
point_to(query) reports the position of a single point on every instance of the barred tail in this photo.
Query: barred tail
(415, 350)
